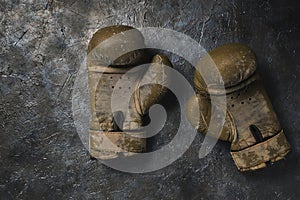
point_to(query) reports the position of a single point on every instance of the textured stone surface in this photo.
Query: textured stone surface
(42, 46)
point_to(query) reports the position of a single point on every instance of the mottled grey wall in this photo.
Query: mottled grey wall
(42, 45)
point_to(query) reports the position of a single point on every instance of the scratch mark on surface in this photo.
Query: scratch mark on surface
(51, 136)
(63, 86)
(20, 38)
(228, 20)
(78, 13)
(49, 3)
(202, 31)
(73, 3)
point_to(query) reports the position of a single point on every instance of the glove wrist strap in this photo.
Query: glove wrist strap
(109, 145)
(256, 156)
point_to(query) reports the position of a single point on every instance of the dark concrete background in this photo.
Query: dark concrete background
(42, 45)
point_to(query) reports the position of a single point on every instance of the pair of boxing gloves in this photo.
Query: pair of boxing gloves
(251, 125)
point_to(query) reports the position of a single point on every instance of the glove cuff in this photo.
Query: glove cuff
(256, 156)
(109, 145)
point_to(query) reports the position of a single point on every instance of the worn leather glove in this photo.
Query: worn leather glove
(115, 134)
(251, 124)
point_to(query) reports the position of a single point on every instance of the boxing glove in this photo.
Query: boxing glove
(114, 54)
(251, 125)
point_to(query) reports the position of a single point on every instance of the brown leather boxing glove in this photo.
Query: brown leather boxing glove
(109, 62)
(251, 125)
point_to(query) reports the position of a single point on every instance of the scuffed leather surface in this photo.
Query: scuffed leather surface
(101, 86)
(106, 77)
(111, 40)
(235, 63)
(247, 105)
(256, 156)
(251, 106)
